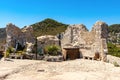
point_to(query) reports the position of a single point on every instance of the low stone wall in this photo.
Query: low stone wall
(53, 58)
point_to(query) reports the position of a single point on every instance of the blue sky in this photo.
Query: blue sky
(26, 12)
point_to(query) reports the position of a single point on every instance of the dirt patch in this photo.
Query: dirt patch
(68, 70)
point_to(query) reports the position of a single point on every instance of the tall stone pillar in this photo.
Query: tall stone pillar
(101, 30)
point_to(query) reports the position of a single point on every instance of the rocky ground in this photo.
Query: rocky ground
(79, 69)
(113, 59)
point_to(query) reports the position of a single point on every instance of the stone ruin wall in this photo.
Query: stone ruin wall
(43, 41)
(16, 35)
(75, 35)
(26, 38)
(88, 42)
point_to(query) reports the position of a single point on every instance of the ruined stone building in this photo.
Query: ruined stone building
(17, 36)
(25, 37)
(89, 43)
(76, 39)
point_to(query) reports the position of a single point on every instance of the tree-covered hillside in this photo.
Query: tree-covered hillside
(114, 40)
(114, 28)
(48, 27)
(114, 33)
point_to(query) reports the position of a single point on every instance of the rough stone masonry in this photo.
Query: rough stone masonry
(16, 35)
(78, 36)
(89, 43)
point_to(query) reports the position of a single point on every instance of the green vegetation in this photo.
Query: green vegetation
(116, 64)
(114, 40)
(20, 52)
(52, 50)
(114, 31)
(8, 51)
(113, 50)
(115, 28)
(48, 27)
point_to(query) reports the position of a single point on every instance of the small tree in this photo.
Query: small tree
(116, 64)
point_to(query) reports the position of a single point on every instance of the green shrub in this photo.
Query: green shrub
(113, 50)
(52, 50)
(6, 54)
(8, 51)
(116, 64)
(20, 52)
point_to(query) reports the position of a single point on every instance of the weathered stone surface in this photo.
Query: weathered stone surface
(71, 35)
(30, 47)
(2, 39)
(43, 41)
(17, 36)
(88, 42)
(29, 38)
(14, 35)
(28, 32)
